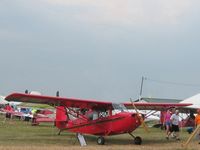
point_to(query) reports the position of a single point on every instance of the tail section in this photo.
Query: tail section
(61, 117)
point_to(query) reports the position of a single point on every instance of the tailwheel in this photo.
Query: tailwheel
(138, 140)
(100, 140)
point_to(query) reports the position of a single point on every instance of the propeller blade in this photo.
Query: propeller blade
(140, 117)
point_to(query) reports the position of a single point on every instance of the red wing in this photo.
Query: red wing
(155, 106)
(82, 103)
(59, 101)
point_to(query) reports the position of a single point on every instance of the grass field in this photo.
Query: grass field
(21, 135)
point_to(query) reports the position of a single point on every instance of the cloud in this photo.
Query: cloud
(126, 12)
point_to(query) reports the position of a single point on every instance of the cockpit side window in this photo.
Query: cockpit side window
(119, 107)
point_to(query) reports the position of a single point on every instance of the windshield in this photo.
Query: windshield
(119, 107)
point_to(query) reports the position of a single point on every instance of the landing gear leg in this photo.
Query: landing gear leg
(59, 131)
(137, 139)
(101, 140)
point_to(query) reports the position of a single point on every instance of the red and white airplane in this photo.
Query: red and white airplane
(94, 117)
(10, 112)
(42, 116)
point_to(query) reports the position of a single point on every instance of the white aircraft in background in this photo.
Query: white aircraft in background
(3, 101)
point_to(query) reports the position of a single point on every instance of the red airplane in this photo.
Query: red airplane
(94, 117)
(43, 116)
(10, 112)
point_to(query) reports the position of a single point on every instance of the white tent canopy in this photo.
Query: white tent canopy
(195, 100)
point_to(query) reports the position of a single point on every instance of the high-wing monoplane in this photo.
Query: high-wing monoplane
(99, 118)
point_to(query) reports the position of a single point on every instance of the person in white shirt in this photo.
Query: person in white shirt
(175, 124)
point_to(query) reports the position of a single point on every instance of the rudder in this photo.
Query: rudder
(61, 117)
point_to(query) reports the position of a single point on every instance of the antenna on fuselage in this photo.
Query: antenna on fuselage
(57, 94)
(26, 91)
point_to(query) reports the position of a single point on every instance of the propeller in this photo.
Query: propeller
(139, 116)
(195, 132)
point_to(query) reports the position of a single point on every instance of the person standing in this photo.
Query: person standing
(197, 120)
(167, 123)
(8, 110)
(175, 124)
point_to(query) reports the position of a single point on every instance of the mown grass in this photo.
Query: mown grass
(33, 105)
(20, 135)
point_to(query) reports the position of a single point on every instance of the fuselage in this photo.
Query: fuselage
(123, 122)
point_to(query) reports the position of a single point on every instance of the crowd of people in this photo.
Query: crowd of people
(171, 123)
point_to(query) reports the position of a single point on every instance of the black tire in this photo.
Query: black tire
(138, 140)
(100, 140)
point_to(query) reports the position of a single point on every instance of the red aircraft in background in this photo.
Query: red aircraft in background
(10, 112)
(41, 116)
(94, 117)
(44, 115)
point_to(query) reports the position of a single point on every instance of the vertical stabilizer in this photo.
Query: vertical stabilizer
(61, 117)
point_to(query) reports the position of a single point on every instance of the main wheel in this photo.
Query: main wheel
(100, 140)
(138, 140)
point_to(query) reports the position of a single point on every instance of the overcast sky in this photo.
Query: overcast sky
(100, 49)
